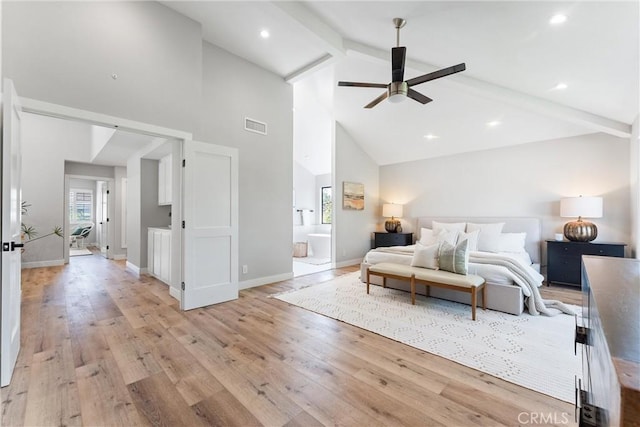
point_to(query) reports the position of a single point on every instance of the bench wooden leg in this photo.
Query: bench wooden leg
(368, 280)
(384, 282)
(473, 302)
(413, 290)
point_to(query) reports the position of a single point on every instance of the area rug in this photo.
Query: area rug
(79, 252)
(535, 352)
(313, 261)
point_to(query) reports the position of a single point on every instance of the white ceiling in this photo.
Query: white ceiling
(514, 59)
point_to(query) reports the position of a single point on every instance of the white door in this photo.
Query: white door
(11, 241)
(102, 216)
(210, 212)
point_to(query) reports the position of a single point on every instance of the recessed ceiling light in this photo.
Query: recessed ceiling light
(558, 19)
(561, 86)
(264, 34)
(493, 123)
(431, 136)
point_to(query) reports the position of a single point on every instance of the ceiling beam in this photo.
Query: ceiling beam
(310, 68)
(326, 37)
(503, 94)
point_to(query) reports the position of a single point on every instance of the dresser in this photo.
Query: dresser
(391, 239)
(610, 342)
(564, 259)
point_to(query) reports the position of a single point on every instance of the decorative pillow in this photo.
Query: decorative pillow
(489, 233)
(454, 258)
(449, 226)
(429, 237)
(426, 256)
(472, 238)
(512, 242)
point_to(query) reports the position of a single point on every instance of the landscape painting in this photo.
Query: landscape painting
(352, 196)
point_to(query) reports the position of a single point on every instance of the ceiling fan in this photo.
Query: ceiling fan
(399, 89)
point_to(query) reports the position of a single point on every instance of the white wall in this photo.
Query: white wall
(46, 144)
(265, 162)
(525, 180)
(66, 53)
(634, 175)
(352, 229)
(119, 250)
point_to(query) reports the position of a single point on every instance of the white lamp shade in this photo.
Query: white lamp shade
(586, 207)
(391, 210)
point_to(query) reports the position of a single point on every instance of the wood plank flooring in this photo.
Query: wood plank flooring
(102, 347)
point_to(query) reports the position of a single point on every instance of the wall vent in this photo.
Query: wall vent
(256, 126)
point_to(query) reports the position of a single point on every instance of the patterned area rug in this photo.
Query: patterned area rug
(313, 261)
(535, 352)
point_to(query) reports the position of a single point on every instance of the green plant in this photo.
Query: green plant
(30, 233)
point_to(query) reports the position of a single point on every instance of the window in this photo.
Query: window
(327, 205)
(80, 206)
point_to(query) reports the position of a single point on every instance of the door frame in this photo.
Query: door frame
(110, 214)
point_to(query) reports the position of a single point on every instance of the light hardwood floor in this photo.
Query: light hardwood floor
(102, 347)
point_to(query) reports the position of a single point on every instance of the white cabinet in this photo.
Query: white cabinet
(165, 169)
(159, 254)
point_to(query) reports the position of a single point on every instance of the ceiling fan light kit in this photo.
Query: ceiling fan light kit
(399, 89)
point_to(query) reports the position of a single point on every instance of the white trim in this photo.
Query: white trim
(134, 269)
(61, 111)
(37, 264)
(347, 263)
(176, 293)
(264, 280)
(118, 257)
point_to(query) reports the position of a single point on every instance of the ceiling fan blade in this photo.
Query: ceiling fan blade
(418, 96)
(378, 100)
(436, 74)
(357, 84)
(398, 55)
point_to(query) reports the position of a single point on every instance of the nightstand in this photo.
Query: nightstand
(392, 239)
(564, 259)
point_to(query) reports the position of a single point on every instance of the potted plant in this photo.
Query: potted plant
(29, 232)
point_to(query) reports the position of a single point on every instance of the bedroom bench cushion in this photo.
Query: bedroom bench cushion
(469, 283)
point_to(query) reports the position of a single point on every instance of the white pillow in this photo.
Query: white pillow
(472, 237)
(426, 256)
(449, 226)
(429, 237)
(488, 239)
(512, 242)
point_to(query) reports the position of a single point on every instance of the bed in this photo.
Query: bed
(502, 293)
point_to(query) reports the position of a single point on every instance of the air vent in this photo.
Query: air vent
(255, 126)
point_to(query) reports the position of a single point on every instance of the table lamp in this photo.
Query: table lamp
(581, 207)
(391, 210)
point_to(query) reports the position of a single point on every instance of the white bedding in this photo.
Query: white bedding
(495, 274)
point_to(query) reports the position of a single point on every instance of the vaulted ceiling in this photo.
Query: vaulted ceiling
(509, 94)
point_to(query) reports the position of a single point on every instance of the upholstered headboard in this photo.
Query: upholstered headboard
(531, 226)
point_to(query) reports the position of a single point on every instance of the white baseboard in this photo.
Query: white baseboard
(264, 280)
(175, 293)
(348, 263)
(135, 269)
(118, 257)
(37, 264)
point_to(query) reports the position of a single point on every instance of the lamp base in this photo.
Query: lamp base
(580, 231)
(392, 225)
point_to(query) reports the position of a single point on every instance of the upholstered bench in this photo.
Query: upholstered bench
(469, 283)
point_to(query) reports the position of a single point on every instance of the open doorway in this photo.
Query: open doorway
(88, 214)
(312, 175)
